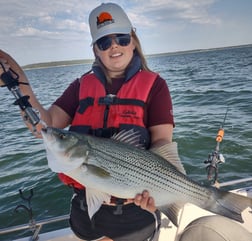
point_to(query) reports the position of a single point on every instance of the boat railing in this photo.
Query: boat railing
(234, 182)
(34, 226)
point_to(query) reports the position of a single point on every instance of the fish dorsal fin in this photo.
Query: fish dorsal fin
(94, 200)
(169, 152)
(130, 137)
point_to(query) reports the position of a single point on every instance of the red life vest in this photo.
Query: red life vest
(98, 111)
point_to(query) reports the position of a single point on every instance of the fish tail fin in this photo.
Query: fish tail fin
(229, 204)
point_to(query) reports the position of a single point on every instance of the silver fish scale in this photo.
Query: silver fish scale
(134, 167)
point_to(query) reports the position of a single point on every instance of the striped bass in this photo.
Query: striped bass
(115, 167)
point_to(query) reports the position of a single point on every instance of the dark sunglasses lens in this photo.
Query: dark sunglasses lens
(105, 42)
(123, 39)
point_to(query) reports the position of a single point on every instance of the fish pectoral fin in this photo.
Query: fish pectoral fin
(172, 211)
(97, 171)
(94, 200)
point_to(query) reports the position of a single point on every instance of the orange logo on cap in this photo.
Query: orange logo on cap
(103, 19)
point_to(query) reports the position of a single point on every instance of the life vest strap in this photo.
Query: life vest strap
(85, 103)
(113, 100)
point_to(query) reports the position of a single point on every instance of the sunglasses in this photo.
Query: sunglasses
(105, 42)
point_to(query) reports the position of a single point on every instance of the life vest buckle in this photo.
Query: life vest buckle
(107, 100)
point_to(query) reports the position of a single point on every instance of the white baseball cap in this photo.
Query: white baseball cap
(108, 18)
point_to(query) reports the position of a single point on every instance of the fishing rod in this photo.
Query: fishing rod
(10, 79)
(216, 158)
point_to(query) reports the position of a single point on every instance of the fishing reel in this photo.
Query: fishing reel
(10, 79)
(215, 158)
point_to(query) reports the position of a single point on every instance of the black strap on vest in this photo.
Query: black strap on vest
(104, 132)
(113, 100)
(108, 100)
(85, 103)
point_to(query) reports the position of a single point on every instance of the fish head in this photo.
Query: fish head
(64, 152)
(58, 139)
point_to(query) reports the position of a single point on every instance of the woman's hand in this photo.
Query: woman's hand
(145, 201)
(4, 66)
(9, 62)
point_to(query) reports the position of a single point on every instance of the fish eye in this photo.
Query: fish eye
(62, 136)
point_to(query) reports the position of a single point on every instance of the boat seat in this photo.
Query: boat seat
(215, 228)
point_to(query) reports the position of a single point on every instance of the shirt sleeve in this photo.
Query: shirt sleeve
(159, 106)
(69, 100)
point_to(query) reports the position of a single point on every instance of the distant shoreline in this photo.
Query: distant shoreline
(57, 64)
(90, 61)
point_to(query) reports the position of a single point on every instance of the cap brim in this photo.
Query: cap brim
(112, 31)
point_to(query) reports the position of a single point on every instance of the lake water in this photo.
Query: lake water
(203, 85)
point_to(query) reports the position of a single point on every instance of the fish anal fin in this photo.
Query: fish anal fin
(94, 200)
(172, 211)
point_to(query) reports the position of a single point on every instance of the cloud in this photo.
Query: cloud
(43, 18)
(45, 28)
(154, 12)
(51, 18)
(33, 32)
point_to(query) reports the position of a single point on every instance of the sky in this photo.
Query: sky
(35, 31)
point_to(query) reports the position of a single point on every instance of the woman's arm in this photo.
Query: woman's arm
(161, 134)
(54, 116)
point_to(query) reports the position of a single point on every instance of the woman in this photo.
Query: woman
(119, 93)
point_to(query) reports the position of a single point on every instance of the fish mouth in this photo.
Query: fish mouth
(45, 129)
(47, 134)
(44, 132)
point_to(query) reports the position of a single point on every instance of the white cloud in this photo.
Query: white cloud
(153, 12)
(33, 32)
(40, 14)
(71, 25)
(50, 27)
(26, 16)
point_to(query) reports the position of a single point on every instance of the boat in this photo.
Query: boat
(168, 231)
